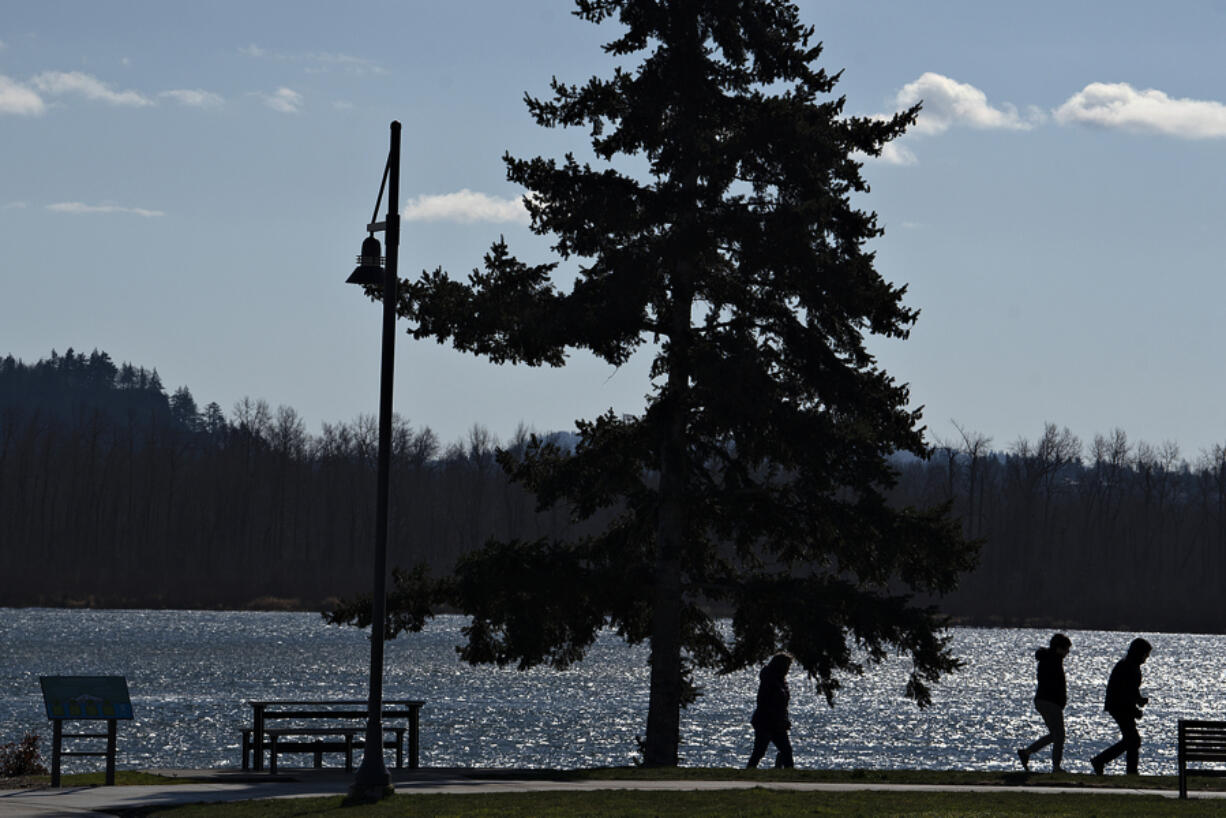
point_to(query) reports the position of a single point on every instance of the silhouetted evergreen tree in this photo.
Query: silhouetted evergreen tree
(184, 410)
(68, 384)
(755, 478)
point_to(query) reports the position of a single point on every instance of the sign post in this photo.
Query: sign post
(85, 698)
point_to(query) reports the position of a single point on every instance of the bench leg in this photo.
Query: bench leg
(110, 752)
(57, 745)
(349, 752)
(399, 749)
(413, 741)
(1183, 780)
(272, 755)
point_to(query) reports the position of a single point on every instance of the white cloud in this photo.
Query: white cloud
(465, 206)
(1119, 105)
(194, 98)
(894, 154)
(948, 102)
(317, 61)
(16, 98)
(81, 207)
(88, 86)
(325, 61)
(285, 100)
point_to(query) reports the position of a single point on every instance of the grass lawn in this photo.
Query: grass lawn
(727, 802)
(995, 778)
(122, 778)
(966, 777)
(753, 802)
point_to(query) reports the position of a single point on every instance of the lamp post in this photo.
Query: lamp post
(373, 781)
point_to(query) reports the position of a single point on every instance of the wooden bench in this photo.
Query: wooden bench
(319, 727)
(315, 740)
(1201, 741)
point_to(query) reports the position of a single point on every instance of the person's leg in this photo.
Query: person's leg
(1111, 753)
(1119, 748)
(761, 738)
(1044, 708)
(1038, 745)
(783, 744)
(1131, 742)
(1053, 717)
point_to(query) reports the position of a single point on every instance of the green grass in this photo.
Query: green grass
(122, 778)
(755, 802)
(996, 778)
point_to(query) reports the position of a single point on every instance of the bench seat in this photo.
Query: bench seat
(320, 740)
(1200, 741)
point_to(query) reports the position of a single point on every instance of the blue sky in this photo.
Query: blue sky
(185, 186)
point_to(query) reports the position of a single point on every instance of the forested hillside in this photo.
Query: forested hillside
(114, 493)
(1110, 533)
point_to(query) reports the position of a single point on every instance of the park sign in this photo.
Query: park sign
(86, 697)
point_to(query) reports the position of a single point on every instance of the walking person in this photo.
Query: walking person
(1124, 703)
(1050, 697)
(770, 717)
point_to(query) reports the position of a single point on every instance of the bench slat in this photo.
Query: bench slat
(1200, 740)
(337, 702)
(330, 714)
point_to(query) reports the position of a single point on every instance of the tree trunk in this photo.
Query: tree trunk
(664, 710)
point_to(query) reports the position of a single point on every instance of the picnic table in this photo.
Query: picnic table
(326, 725)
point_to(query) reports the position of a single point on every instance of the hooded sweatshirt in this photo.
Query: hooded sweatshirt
(1051, 685)
(1124, 687)
(771, 713)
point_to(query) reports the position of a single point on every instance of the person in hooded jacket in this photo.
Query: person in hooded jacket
(1124, 702)
(770, 717)
(1050, 697)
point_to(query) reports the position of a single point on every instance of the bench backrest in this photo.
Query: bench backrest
(388, 713)
(1202, 740)
(333, 710)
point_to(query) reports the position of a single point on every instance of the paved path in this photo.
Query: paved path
(226, 786)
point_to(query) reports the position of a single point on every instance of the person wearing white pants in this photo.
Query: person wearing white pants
(1050, 697)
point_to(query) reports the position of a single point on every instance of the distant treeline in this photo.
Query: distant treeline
(1110, 534)
(114, 493)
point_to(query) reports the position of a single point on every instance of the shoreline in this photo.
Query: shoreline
(271, 604)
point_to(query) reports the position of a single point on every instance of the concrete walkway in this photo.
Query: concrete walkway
(221, 786)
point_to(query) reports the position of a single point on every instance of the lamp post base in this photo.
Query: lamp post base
(372, 783)
(361, 792)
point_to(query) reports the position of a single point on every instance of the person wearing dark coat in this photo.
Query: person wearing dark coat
(1050, 697)
(1124, 702)
(770, 717)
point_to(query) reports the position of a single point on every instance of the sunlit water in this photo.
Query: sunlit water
(191, 673)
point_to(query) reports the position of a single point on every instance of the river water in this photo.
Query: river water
(190, 674)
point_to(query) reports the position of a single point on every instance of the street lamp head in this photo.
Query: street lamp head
(370, 264)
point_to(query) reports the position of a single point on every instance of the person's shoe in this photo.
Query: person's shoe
(1025, 758)
(1097, 765)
